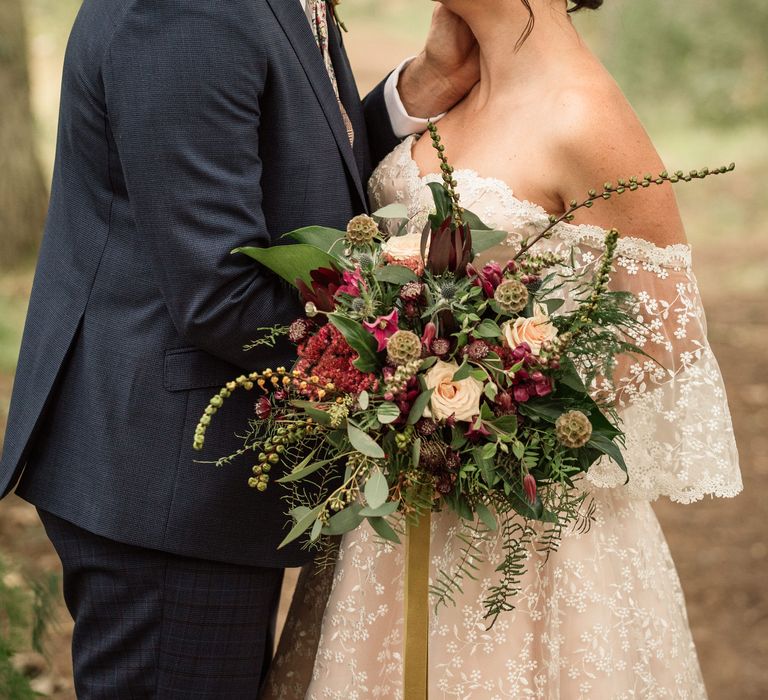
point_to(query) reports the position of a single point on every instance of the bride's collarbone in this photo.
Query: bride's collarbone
(523, 165)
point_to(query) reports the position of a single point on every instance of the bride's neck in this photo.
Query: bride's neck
(505, 69)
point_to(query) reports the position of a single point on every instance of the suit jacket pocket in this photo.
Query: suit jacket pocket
(189, 368)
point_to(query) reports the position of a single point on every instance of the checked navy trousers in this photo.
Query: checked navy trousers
(149, 624)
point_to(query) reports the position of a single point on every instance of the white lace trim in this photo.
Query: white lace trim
(400, 162)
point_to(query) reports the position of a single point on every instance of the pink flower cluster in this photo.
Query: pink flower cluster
(528, 382)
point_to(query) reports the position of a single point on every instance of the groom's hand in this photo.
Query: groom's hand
(445, 71)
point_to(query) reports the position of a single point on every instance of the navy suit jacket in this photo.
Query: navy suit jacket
(187, 128)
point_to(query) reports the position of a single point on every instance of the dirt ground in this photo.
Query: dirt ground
(720, 546)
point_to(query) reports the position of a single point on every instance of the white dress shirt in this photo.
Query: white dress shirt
(403, 124)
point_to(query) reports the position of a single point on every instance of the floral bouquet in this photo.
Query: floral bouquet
(427, 379)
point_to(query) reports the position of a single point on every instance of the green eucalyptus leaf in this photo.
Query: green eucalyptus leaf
(298, 512)
(363, 400)
(484, 240)
(419, 406)
(344, 521)
(392, 211)
(303, 470)
(317, 530)
(384, 530)
(395, 274)
(382, 511)
(376, 489)
(303, 523)
(388, 413)
(363, 442)
(291, 261)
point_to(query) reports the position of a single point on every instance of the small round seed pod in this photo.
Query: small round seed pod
(404, 347)
(361, 230)
(511, 296)
(573, 429)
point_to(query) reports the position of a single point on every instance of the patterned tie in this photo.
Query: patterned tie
(317, 12)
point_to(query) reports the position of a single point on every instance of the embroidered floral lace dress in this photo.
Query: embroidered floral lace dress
(604, 618)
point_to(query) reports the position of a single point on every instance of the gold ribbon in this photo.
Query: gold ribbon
(416, 652)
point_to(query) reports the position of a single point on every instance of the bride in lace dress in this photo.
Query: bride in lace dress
(604, 617)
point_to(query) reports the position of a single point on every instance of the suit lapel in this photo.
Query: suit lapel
(295, 25)
(348, 93)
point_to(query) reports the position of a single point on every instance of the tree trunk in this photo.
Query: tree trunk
(23, 192)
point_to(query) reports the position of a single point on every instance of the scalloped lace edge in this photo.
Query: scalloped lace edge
(675, 255)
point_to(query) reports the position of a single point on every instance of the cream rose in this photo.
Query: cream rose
(535, 331)
(403, 247)
(458, 399)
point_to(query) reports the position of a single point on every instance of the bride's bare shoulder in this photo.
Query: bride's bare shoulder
(598, 138)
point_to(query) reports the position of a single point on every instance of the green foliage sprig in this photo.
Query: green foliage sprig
(447, 170)
(609, 190)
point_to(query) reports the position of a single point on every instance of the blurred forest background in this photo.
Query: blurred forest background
(696, 72)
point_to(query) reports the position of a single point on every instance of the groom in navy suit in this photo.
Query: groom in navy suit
(187, 128)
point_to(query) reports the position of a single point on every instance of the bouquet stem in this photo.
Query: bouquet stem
(416, 653)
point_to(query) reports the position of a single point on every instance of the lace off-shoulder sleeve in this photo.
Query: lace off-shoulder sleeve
(679, 435)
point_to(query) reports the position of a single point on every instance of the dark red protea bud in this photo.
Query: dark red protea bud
(263, 408)
(298, 331)
(441, 347)
(477, 350)
(412, 292)
(450, 249)
(529, 486)
(325, 283)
